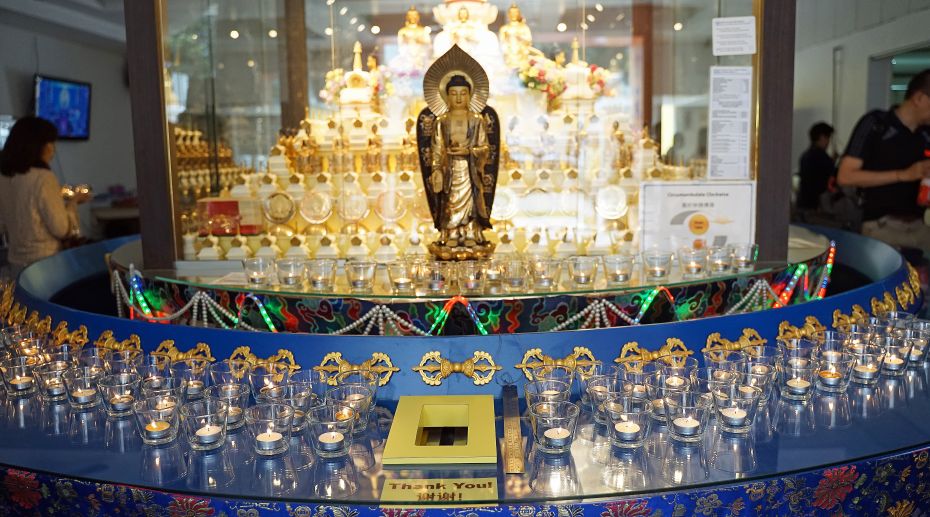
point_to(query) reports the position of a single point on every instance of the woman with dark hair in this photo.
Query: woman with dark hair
(31, 204)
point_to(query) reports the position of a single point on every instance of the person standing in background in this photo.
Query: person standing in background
(32, 209)
(816, 167)
(886, 159)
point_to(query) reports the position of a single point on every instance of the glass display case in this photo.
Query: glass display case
(294, 124)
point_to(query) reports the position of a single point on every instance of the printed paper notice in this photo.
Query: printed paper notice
(734, 36)
(729, 122)
(697, 214)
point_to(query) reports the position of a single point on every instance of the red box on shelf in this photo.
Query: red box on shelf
(225, 216)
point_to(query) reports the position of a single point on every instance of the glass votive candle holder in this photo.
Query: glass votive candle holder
(361, 377)
(355, 396)
(636, 373)
(763, 381)
(719, 260)
(259, 270)
(195, 375)
(95, 358)
(545, 271)
(236, 397)
(230, 371)
(267, 381)
(744, 255)
(151, 365)
(656, 263)
(582, 374)
(330, 427)
(677, 367)
(761, 359)
(833, 376)
(301, 398)
(205, 423)
(69, 352)
(897, 352)
(708, 379)
(918, 340)
(321, 274)
(554, 425)
(618, 269)
(157, 419)
(471, 276)
(18, 376)
(49, 378)
(582, 270)
(400, 276)
(119, 392)
(629, 421)
(687, 414)
(548, 391)
(732, 360)
(513, 274)
(438, 276)
(163, 386)
(796, 352)
(290, 270)
(553, 373)
(693, 263)
(270, 424)
(831, 338)
(601, 389)
(81, 383)
(797, 382)
(657, 390)
(29, 346)
(735, 407)
(360, 274)
(124, 361)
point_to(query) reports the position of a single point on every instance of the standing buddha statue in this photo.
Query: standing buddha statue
(516, 38)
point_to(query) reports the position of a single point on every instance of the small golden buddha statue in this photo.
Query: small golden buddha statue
(516, 38)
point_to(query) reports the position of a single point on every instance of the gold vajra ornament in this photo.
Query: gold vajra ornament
(61, 335)
(811, 327)
(905, 295)
(886, 304)
(17, 315)
(716, 345)
(167, 350)
(6, 298)
(38, 324)
(283, 358)
(581, 358)
(673, 352)
(914, 278)
(434, 368)
(334, 364)
(845, 322)
(106, 340)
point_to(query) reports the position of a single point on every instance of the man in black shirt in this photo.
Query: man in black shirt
(817, 167)
(886, 158)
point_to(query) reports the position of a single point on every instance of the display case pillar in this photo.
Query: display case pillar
(151, 136)
(294, 96)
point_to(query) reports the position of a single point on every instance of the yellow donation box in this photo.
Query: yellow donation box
(442, 429)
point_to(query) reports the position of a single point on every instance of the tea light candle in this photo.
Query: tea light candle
(269, 441)
(627, 431)
(55, 388)
(797, 386)
(121, 402)
(830, 377)
(157, 429)
(515, 282)
(639, 391)
(760, 369)
(686, 426)
(436, 284)
(343, 414)
(557, 437)
(674, 382)
(619, 277)
(582, 279)
(894, 363)
(658, 407)
(84, 395)
(403, 283)
(865, 371)
(831, 356)
(471, 284)
(21, 382)
(657, 272)
(317, 281)
(733, 416)
(492, 274)
(332, 441)
(553, 394)
(797, 362)
(544, 281)
(233, 415)
(694, 268)
(194, 388)
(271, 392)
(916, 355)
(719, 265)
(289, 279)
(359, 284)
(164, 405)
(209, 434)
(742, 262)
(747, 390)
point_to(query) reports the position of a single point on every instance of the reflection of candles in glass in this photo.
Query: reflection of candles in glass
(639, 391)
(331, 441)
(164, 405)
(344, 414)
(208, 434)
(830, 377)
(733, 416)
(797, 386)
(865, 371)
(674, 382)
(747, 390)
(916, 355)
(121, 402)
(894, 363)
(627, 431)
(797, 362)
(233, 415)
(269, 440)
(831, 356)
(658, 407)
(157, 429)
(760, 369)
(686, 426)
(194, 388)
(84, 395)
(55, 388)
(557, 437)
(21, 382)
(550, 395)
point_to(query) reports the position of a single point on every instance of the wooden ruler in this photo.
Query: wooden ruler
(513, 439)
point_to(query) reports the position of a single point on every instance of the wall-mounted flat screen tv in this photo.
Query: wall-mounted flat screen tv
(65, 104)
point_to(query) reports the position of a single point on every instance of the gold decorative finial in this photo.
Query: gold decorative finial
(673, 352)
(434, 368)
(357, 63)
(333, 364)
(168, 350)
(844, 322)
(580, 357)
(811, 327)
(282, 358)
(716, 344)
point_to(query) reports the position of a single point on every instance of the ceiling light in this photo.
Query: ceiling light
(328, 31)
(330, 2)
(272, 33)
(590, 18)
(361, 28)
(561, 27)
(584, 26)
(678, 26)
(599, 7)
(353, 20)
(620, 17)
(619, 56)
(250, 63)
(234, 34)
(375, 29)
(343, 11)
(220, 65)
(194, 37)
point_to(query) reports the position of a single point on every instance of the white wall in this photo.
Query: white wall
(863, 29)
(107, 158)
